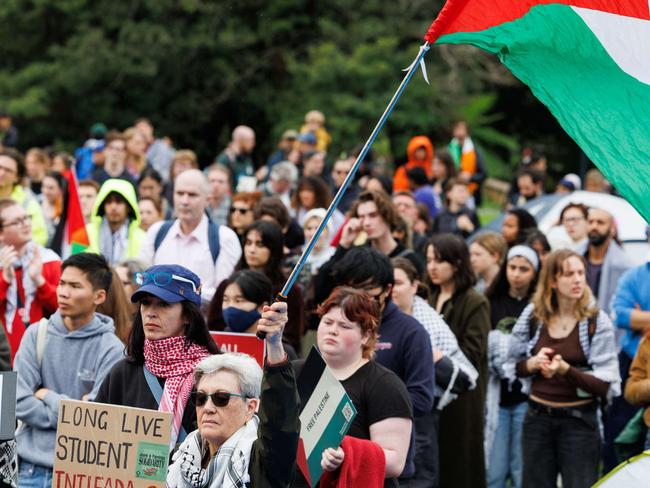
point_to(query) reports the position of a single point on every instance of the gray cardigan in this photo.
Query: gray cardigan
(601, 352)
(616, 263)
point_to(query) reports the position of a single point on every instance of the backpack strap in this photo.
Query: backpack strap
(157, 392)
(213, 237)
(213, 240)
(591, 327)
(41, 340)
(162, 233)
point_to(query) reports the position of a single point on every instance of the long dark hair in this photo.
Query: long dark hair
(444, 156)
(525, 222)
(322, 195)
(255, 287)
(500, 286)
(452, 249)
(273, 240)
(197, 333)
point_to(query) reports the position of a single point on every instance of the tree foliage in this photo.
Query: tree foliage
(198, 68)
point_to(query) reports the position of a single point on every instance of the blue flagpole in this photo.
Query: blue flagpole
(419, 61)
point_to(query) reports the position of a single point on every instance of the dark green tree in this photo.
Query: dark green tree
(198, 68)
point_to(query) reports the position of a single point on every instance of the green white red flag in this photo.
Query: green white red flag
(70, 236)
(588, 61)
(76, 235)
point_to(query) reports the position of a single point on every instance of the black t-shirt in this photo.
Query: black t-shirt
(504, 311)
(377, 394)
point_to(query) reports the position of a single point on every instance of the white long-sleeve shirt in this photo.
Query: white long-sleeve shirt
(193, 251)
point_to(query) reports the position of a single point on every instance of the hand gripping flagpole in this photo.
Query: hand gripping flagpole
(417, 62)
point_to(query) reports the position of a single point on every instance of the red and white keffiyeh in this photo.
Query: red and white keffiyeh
(174, 359)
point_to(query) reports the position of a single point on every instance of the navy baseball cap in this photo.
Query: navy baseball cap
(171, 283)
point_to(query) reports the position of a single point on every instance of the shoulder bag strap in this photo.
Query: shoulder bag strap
(157, 392)
(41, 339)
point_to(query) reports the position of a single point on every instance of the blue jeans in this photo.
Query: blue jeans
(505, 454)
(647, 440)
(33, 476)
(618, 415)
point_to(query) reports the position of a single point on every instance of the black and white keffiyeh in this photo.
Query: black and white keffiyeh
(600, 351)
(227, 469)
(8, 463)
(443, 339)
(499, 367)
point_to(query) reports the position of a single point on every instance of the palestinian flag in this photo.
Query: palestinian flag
(326, 415)
(70, 236)
(588, 61)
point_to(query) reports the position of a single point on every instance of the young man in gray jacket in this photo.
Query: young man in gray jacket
(67, 360)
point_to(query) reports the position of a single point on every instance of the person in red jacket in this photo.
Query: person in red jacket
(29, 277)
(420, 155)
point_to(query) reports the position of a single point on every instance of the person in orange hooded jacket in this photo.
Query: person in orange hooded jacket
(469, 162)
(420, 154)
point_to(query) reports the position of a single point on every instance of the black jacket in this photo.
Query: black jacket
(273, 458)
(126, 385)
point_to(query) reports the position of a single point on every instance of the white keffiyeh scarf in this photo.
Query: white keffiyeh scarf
(28, 286)
(227, 469)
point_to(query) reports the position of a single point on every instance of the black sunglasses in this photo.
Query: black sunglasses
(240, 210)
(219, 398)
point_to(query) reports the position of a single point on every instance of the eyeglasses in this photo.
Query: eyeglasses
(219, 398)
(376, 297)
(573, 220)
(242, 211)
(27, 219)
(161, 279)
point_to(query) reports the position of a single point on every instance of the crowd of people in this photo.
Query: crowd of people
(474, 358)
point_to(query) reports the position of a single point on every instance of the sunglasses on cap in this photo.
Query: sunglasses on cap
(161, 279)
(219, 398)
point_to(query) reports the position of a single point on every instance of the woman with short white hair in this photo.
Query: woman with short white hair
(235, 445)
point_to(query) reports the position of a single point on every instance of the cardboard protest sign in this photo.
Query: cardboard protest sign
(246, 343)
(326, 415)
(8, 405)
(109, 446)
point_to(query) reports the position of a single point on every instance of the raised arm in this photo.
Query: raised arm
(279, 428)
